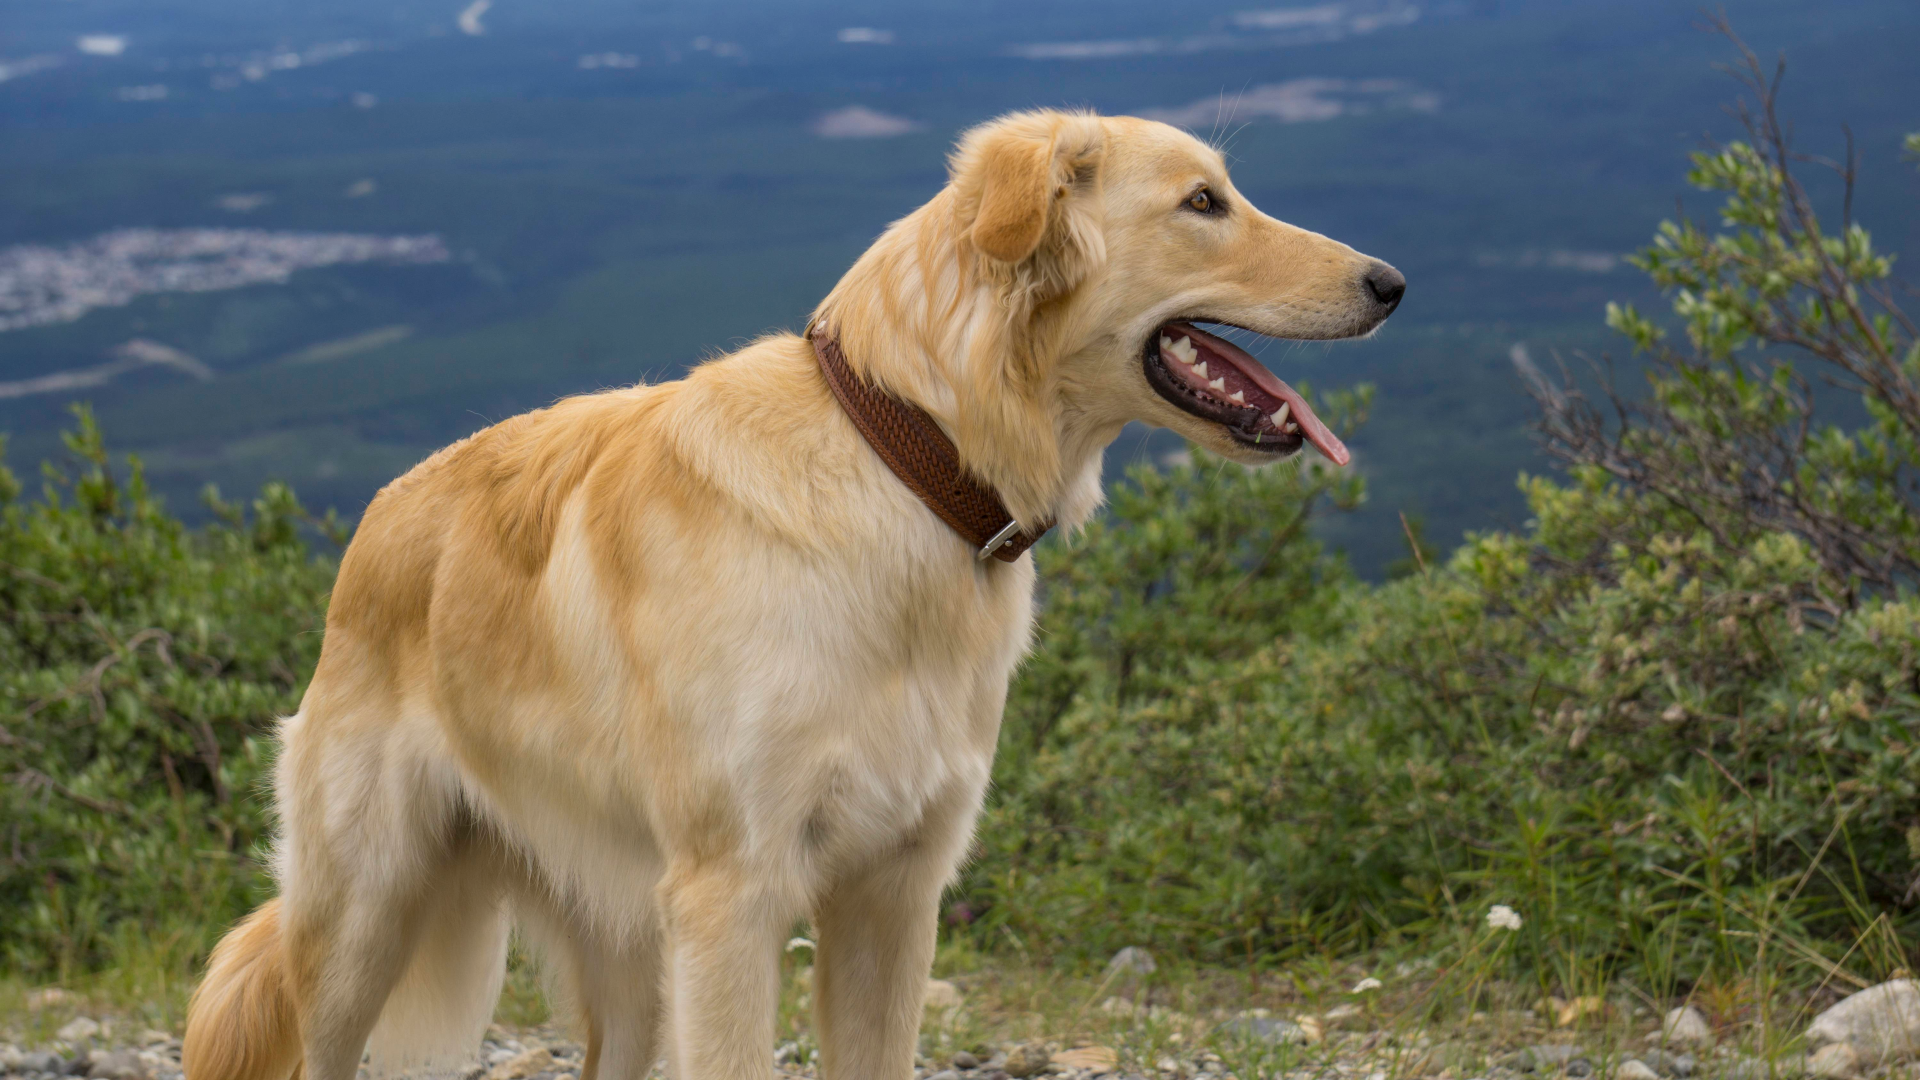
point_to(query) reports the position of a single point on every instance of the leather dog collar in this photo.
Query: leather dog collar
(924, 459)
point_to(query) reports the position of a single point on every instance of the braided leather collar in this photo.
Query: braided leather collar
(924, 459)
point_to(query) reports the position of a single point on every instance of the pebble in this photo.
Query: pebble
(1132, 960)
(1686, 1026)
(945, 1074)
(119, 1065)
(1267, 1029)
(1632, 1069)
(964, 1061)
(524, 1066)
(1027, 1059)
(1881, 1022)
(1554, 1054)
(42, 1061)
(79, 1029)
(1835, 1061)
(1676, 1065)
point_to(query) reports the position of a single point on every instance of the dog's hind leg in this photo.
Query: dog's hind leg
(612, 983)
(380, 861)
(437, 1014)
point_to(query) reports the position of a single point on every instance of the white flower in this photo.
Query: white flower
(1503, 917)
(799, 943)
(1366, 984)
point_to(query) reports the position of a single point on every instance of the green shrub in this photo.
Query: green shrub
(142, 666)
(1675, 722)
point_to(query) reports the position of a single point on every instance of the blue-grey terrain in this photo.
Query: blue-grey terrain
(314, 242)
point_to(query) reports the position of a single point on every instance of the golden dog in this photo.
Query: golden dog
(654, 673)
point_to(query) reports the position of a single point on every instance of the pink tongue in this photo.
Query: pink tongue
(1317, 433)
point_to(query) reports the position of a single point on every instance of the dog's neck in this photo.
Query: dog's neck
(917, 317)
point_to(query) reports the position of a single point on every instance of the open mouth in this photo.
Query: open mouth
(1216, 380)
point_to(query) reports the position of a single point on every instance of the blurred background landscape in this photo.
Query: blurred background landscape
(377, 227)
(1629, 744)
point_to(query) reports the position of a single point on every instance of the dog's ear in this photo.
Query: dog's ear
(1016, 176)
(1016, 187)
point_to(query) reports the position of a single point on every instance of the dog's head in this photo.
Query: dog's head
(1121, 234)
(1055, 285)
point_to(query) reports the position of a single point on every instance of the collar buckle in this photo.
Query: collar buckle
(997, 540)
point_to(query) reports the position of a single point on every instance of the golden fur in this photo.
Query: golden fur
(655, 672)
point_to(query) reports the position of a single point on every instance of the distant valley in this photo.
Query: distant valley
(314, 246)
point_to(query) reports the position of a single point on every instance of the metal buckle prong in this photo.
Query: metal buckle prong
(998, 540)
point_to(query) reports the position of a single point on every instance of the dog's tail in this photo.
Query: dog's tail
(241, 1024)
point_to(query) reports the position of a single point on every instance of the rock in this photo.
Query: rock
(154, 1036)
(1546, 1057)
(1579, 1068)
(1267, 1029)
(1094, 1059)
(942, 994)
(1835, 1061)
(1634, 1070)
(1132, 960)
(524, 1065)
(1347, 1017)
(963, 1061)
(1686, 1026)
(1666, 1064)
(1027, 1059)
(120, 1065)
(78, 1030)
(945, 1074)
(1881, 1022)
(1311, 1029)
(41, 1061)
(10, 1056)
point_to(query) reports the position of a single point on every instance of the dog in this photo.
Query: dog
(655, 673)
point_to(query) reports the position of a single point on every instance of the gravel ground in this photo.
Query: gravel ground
(1331, 1046)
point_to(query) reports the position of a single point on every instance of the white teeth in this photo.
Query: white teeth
(1200, 369)
(1238, 397)
(1280, 418)
(1183, 348)
(1293, 428)
(1218, 384)
(1166, 343)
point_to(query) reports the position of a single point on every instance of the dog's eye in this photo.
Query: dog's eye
(1201, 201)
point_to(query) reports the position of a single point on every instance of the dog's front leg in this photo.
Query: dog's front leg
(723, 933)
(876, 930)
(870, 978)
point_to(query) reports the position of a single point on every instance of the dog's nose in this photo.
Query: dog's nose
(1386, 284)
